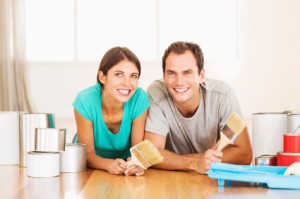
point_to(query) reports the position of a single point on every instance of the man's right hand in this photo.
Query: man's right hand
(203, 163)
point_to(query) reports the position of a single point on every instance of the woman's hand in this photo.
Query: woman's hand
(134, 170)
(117, 167)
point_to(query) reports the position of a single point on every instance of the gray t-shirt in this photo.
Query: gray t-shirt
(198, 133)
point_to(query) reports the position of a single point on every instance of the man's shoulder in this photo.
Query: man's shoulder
(157, 91)
(216, 86)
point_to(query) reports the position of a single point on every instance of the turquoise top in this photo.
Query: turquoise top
(108, 145)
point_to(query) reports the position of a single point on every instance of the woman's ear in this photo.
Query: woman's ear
(102, 77)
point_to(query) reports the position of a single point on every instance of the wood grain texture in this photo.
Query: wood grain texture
(90, 184)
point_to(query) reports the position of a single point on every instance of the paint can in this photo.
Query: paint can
(291, 143)
(267, 132)
(266, 160)
(286, 159)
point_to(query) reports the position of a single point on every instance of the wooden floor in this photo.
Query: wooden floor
(90, 184)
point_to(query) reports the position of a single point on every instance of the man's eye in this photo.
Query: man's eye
(187, 72)
(119, 74)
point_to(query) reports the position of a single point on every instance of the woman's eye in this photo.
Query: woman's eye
(135, 76)
(119, 74)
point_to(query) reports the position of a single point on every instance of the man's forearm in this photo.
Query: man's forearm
(240, 152)
(173, 161)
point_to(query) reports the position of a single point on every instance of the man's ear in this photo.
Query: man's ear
(102, 77)
(202, 76)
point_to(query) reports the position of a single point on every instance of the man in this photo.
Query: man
(188, 112)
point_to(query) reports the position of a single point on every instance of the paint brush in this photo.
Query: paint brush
(233, 127)
(144, 154)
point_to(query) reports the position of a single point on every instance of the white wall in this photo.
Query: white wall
(266, 77)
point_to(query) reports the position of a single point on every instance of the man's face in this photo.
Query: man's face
(182, 78)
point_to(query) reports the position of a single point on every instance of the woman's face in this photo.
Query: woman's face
(121, 80)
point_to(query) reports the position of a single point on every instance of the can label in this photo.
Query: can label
(266, 160)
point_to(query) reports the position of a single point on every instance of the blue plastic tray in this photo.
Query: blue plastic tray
(272, 176)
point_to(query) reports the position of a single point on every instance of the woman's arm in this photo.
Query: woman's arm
(138, 129)
(86, 136)
(137, 135)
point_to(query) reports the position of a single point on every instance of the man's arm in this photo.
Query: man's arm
(240, 152)
(172, 161)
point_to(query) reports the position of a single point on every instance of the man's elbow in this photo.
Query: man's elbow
(247, 157)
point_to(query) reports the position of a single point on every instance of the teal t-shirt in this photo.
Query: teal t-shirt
(108, 145)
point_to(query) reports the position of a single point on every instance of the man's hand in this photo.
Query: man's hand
(203, 163)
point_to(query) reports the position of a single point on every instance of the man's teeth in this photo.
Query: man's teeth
(125, 92)
(180, 90)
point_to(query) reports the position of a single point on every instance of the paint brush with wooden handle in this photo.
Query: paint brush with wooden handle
(145, 154)
(233, 127)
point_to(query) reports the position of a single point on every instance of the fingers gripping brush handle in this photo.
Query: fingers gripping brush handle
(224, 141)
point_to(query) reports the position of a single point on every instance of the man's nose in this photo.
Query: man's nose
(179, 79)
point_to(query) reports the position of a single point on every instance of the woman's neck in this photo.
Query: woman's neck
(109, 104)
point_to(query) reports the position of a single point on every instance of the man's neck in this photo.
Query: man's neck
(189, 108)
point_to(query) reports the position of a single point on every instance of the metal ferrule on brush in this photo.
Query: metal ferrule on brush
(230, 134)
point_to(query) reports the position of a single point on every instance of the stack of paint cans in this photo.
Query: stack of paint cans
(52, 155)
(44, 160)
(291, 142)
(31, 140)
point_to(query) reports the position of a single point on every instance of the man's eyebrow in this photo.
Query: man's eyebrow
(168, 70)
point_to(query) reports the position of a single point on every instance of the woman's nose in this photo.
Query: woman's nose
(126, 81)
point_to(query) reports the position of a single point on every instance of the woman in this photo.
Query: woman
(110, 115)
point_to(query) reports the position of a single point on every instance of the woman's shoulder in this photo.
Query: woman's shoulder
(91, 90)
(90, 94)
(138, 94)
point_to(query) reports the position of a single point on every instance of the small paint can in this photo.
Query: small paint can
(266, 160)
(41, 164)
(286, 159)
(50, 139)
(73, 159)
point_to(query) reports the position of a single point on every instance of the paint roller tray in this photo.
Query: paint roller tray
(272, 176)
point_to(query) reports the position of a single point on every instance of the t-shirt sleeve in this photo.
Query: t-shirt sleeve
(140, 103)
(82, 105)
(157, 120)
(229, 105)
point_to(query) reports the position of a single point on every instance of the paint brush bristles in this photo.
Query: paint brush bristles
(233, 127)
(145, 154)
